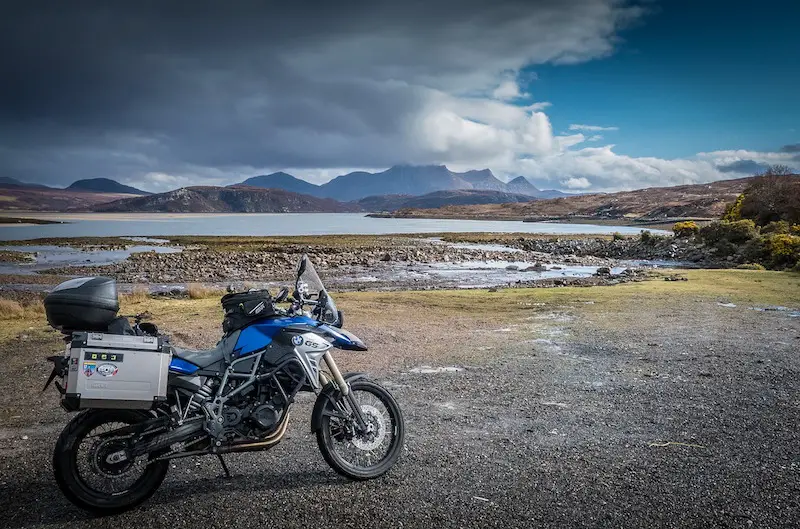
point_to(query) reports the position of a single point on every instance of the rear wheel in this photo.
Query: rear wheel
(359, 454)
(92, 470)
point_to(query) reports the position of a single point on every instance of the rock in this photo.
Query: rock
(538, 267)
(603, 271)
(512, 268)
(386, 257)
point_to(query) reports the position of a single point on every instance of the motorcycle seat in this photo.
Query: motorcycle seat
(206, 357)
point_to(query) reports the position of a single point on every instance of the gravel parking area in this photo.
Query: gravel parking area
(571, 415)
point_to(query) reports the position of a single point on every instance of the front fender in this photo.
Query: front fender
(329, 393)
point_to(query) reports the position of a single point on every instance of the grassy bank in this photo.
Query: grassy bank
(198, 319)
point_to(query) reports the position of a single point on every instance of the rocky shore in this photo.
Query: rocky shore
(639, 248)
(392, 262)
(209, 265)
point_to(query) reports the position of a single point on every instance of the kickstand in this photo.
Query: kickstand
(224, 466)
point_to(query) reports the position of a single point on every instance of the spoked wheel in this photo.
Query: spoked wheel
(355, 453)
(92, 469)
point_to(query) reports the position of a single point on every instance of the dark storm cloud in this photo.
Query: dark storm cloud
(743, 166)
(795, 147)
(121, 89)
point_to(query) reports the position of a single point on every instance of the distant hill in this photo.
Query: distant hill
(236, 199)
(698, 200)
(104, 185)
(281, 180)
(440, 198)
(6, 181)
(16, 198)
(412, 180)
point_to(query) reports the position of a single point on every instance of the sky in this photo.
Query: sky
(577, 95)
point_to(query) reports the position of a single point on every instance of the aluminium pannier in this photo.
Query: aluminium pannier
(116, 371)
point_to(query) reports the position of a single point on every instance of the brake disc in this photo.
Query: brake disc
(372, 440)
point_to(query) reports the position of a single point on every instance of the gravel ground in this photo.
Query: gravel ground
(568, 416)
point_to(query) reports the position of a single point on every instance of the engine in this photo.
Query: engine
(255, 412)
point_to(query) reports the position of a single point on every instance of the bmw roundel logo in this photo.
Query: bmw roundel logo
(297, 339)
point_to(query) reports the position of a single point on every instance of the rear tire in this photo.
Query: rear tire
(73, 483)
(331, 440)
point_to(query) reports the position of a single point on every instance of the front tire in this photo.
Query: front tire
(363, 456)
(87, 471)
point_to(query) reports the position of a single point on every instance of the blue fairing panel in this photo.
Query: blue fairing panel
(260, 334)
(343, 339)
(179, 365)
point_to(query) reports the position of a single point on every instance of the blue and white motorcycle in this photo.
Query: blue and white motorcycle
(235, 397)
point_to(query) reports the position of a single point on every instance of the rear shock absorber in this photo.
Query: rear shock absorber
(202, 395)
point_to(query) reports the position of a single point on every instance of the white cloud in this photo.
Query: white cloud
(577, 183)
(507, 90)
(590, 128)
(375, 85)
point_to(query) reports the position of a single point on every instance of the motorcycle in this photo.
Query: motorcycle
(235, 397)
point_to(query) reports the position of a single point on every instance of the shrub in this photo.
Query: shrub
(750, 266)
(772, 198)
(783, 249)
(733, 211)
(617, 236)
(646, 237)
(738, 232)
(685, 229)
(779, 226)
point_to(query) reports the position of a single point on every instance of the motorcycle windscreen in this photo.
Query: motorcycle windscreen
(310, 286)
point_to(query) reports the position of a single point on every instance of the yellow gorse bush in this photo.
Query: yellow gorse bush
(685, 229)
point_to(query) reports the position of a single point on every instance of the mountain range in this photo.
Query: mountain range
(235, 199)
(410, 180)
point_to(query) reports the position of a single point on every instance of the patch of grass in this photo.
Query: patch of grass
(11, 310)
(751, 266)
(18, 316)
(139, 294)
(200, 291)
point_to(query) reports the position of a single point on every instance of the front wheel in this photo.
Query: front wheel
(355, 453)
(91, 468)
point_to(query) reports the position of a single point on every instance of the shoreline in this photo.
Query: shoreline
(664, 224)
(358, 262)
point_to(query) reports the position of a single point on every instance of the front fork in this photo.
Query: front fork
(344, 389)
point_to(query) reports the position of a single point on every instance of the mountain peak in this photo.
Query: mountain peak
(281, 180)
(521, 184)
(104, 185)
